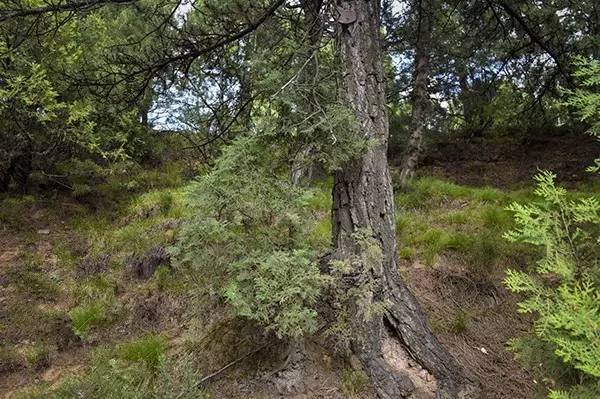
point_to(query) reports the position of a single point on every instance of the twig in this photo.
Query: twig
(232, 363)
(295, 76)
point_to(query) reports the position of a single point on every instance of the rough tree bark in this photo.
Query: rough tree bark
(418, 117)
(387, 342)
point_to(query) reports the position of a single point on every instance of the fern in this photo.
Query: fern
(562, 290)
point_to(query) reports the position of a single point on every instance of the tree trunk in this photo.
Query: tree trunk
(420, 96)
(390, 333)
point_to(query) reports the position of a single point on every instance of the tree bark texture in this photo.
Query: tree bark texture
(420, 95)
(394, 345)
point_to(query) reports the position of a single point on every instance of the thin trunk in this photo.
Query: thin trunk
(466, 94)
(420, 96)
(385, 341)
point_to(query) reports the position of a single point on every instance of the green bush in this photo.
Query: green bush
(562, 291)
(586, 99)
(277, 290)
(250, 238)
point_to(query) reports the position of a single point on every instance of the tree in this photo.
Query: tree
(363, 202)
(420, 94)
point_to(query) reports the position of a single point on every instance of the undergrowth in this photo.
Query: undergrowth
(436, 218)
(137, 369)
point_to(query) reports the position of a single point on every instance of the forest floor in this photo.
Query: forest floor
(81, 274)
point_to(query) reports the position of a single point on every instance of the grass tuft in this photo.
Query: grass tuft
(149, 350)
(354, 382)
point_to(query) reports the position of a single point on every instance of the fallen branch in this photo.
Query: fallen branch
(231, 364)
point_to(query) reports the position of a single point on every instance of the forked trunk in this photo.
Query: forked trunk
(390, 333)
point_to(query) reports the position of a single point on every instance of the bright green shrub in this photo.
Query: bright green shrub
(276, 289)
(562, 291)
(586, 99)
(249, 238)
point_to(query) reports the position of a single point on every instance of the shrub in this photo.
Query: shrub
(250, 236)
(278, 290)
(586, 99)
(562, 291)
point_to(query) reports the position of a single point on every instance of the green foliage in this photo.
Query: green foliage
(354, 300)
(563, 290)
(277, 290)
(586, 99)
(149, 351)
(249, 237)
(460, 322)
(96, 306)
(113, 376)
(354, 382)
